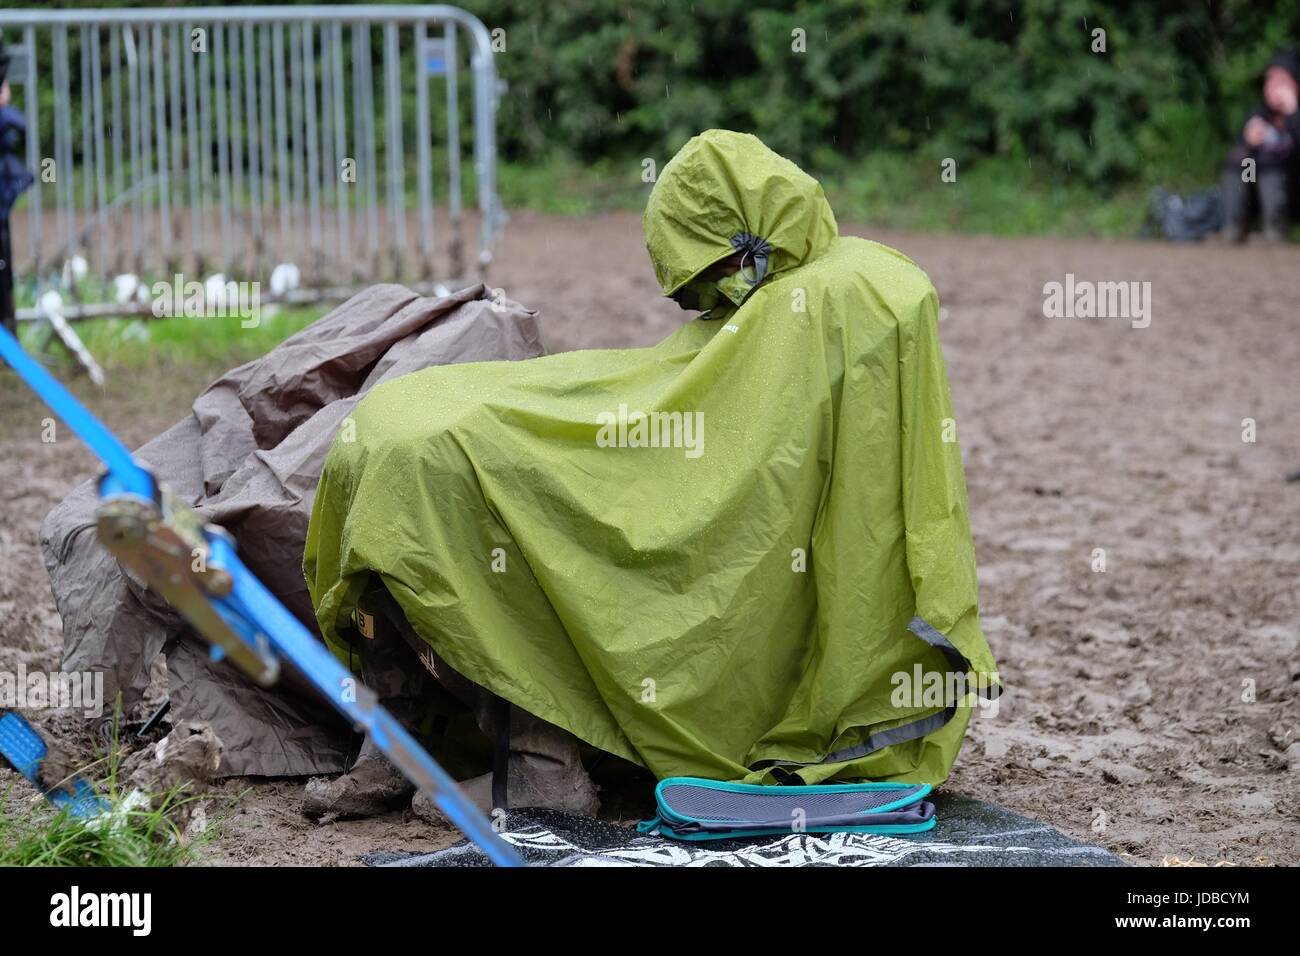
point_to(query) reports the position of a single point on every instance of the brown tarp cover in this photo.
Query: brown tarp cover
(249, 458)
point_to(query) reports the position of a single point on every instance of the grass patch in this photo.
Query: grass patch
(126, 835)
(179, 340)
(999, 195)
(133, 830)
(562, 186)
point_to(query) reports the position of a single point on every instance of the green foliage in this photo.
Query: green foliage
(970, 79)
(1013, 91)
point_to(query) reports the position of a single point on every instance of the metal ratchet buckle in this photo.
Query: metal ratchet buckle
(166, 544)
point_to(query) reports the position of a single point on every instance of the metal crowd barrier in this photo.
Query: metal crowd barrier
(232, 139)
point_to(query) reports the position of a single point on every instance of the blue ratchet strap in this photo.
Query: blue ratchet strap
(124, 475)
(137, 514)
(250, 601)
(23, 747)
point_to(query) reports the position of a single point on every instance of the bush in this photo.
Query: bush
(963, 78)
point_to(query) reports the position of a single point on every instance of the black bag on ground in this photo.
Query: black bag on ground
(1184, 218)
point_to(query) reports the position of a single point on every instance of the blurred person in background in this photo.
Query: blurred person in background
(14, 179)
(1271, 137)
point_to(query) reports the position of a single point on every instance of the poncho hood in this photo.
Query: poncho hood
(722, 187)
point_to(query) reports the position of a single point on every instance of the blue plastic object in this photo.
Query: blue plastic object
(23, 747)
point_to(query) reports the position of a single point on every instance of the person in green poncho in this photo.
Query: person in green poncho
(740, 554)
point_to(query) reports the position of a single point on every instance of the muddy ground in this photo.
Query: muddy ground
(1153, 707)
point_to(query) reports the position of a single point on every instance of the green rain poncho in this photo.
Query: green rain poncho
(704, 556)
